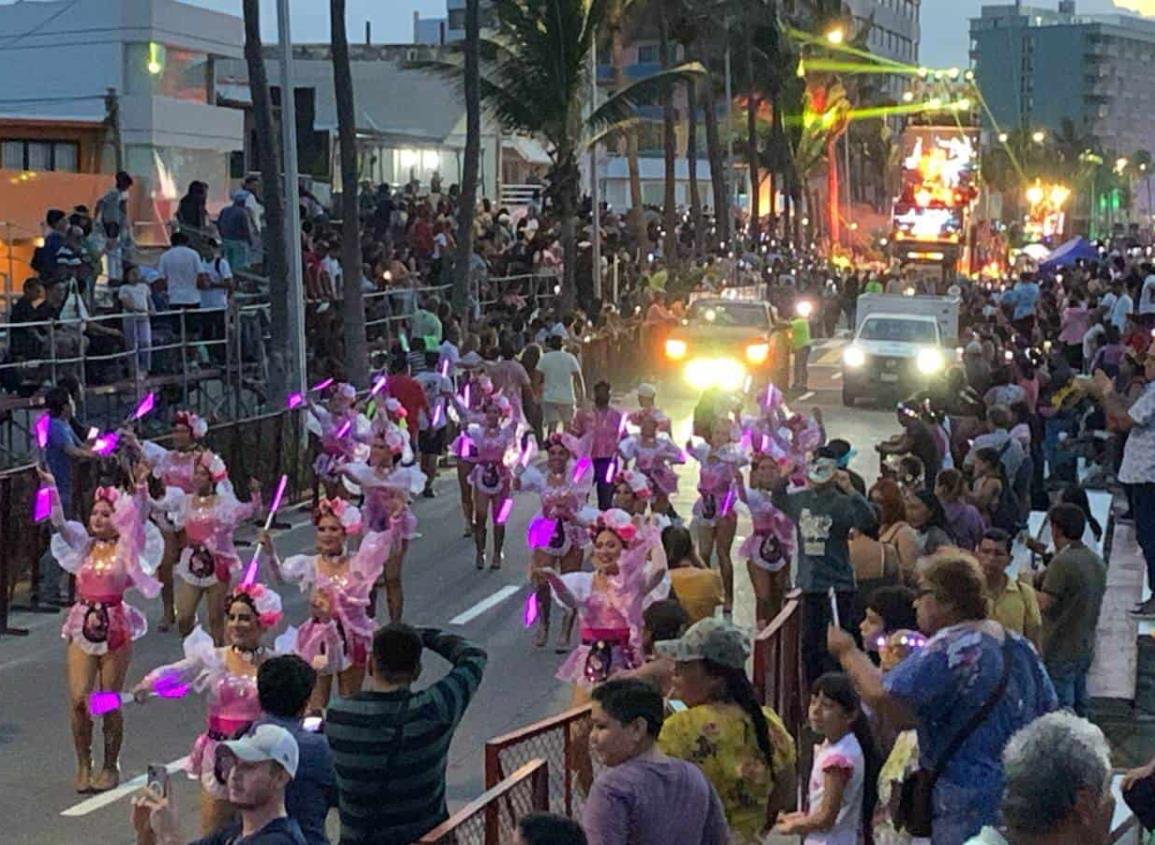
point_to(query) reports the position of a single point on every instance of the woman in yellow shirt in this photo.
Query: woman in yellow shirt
(697, 588)
(743, 749)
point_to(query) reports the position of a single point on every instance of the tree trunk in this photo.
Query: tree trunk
(472, 162)
(635, 217)
(717, 164)
(353, 302)
(692, 165)
(835, 230)
(752, 137)
(669, 146)
(565, 188)
(275, 248)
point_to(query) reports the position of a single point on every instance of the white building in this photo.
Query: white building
(159, 57)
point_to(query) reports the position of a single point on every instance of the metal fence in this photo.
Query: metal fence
(492, 818)
(560, 742)
(778, 677)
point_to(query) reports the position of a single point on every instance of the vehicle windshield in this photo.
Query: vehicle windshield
(896, 330)
(714, 313)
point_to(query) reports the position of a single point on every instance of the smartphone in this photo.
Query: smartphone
(159, 780)
(676, 706)
(313, 724)
(835, 620)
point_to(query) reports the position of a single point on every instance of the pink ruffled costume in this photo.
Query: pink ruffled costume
(653, 460)
(563, 522)
(232, 701)
(494, 452)
(209, 556)
(611, 619)
(770, 545)
(100, 621)
(343, 640)
(716, 490)
(174, 469)
(341, 440)
(384, 491)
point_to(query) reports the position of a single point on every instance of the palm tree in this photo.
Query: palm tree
(472, 155)
(618, 18)
(535, 79)
(353, 302)
(669, 141)
(276, 248)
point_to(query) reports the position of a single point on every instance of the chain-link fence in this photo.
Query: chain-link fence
(492, 818)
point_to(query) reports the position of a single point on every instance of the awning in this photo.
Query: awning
(1076, 249)
(530, 149)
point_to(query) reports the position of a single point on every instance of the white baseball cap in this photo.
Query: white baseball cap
(267, 742)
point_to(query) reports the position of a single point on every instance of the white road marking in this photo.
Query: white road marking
(807, 395)
(96, 802)
(484, 605)
(836, 377)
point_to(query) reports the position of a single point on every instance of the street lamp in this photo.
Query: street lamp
(1003, 137)
(908, 96)
(836, 35)
(1039, 136)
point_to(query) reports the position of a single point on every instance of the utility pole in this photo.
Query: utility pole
(298, 372)
(595, 201)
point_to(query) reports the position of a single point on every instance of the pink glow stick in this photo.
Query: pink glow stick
(321, 385)
(463, 446)
(531, 610)
(438, 414)
(465, 396)
(166, 686)
(540, 533)
(622, 425)
(345, 428)
(41, 430)
(445, 368)
(106, 444)
(581, 468)
(503, 514)
(379, 385)
(611, 471)
(145, 407)
(43, 507)
(251, 570)
(728, 502)
(296, 400)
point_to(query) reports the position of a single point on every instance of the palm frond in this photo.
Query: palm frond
(623, 104)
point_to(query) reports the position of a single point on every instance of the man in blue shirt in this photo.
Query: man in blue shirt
(62, 449)
(1024, 296)
(284, 685)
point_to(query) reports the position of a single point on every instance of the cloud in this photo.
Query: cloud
(1143, 7)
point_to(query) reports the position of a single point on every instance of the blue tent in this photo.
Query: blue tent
(1066, 254)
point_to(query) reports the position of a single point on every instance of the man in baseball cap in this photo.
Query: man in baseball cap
(257, 768)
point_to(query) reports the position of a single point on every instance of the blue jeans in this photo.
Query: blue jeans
(1070, 680)
(1142, 504)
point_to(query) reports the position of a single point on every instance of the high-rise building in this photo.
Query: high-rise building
(893, 34)
(1037, 66)
(455, 14)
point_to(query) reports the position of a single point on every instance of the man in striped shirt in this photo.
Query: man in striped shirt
(390, 743)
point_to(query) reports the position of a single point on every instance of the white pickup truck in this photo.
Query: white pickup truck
(900, 344)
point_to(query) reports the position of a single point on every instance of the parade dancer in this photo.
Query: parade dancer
(770, 546)
(174, 468)
(342, 430)
(120, 550)
(389, 488)
(651, 451)
(337, 638)
(721, 460)
(609, 601)
(647, 407)
(559, 532)
(492, 446)
(603, 426)
(467, 407)
(228, 678)
(208, 562)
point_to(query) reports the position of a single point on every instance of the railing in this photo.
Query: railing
(777, 675)
(520, 195)
(555, 741)
(492, 818)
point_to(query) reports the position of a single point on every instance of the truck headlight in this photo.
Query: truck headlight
(757, 353)
(675, 349)
(929, 361)
(852, 356)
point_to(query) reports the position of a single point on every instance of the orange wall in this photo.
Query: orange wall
(88, 139)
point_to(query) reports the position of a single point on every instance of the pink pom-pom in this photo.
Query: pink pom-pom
(102, 703)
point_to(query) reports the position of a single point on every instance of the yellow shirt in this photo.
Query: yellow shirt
(1017, 609)
(719, 739)
(699, 591)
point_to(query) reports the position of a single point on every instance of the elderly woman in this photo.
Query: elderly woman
(965, 693)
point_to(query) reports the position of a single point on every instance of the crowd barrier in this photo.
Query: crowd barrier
(492, 818)
(262, 447)
(777, 673)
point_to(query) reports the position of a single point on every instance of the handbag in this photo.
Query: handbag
(915, 811)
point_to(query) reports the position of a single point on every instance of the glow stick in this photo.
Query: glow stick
(145, 407)
(445, 368)
(379, 385)
(622, 425)
(465, 395)
(43, 507)
(540, 533)
(296, 400)
(251, 570)
(106, 444)
(463, 446)
(506, 510)
(92, 433)
(438, 414)
(345, 428)
(611, 471)
(531, 610)
(166, 686)
(321, 385)
(581, 468)
(728, 502)
(41, 430)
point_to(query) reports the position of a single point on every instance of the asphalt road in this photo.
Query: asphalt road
(37, 803)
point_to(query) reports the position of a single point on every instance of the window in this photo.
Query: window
(648, 54)
(39, 155)
(457, 20)
(161, 71)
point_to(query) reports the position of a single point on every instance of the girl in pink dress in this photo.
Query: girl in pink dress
(342, 430)
(208, 518)
(228, 678)
(492, 447)
(652, 453)
(721, 461)
(559, 532)
(174, 468)
(120, 550)
(339, 633)
(770, 546)
(466, 409)
(609, 601)
(389, 489)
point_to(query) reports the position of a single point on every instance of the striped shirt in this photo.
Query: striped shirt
(390, 749)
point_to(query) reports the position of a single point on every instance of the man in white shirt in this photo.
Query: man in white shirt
(216, 287)
(1122, 307)
(180, 271)
(431, 437)
(563, 385)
